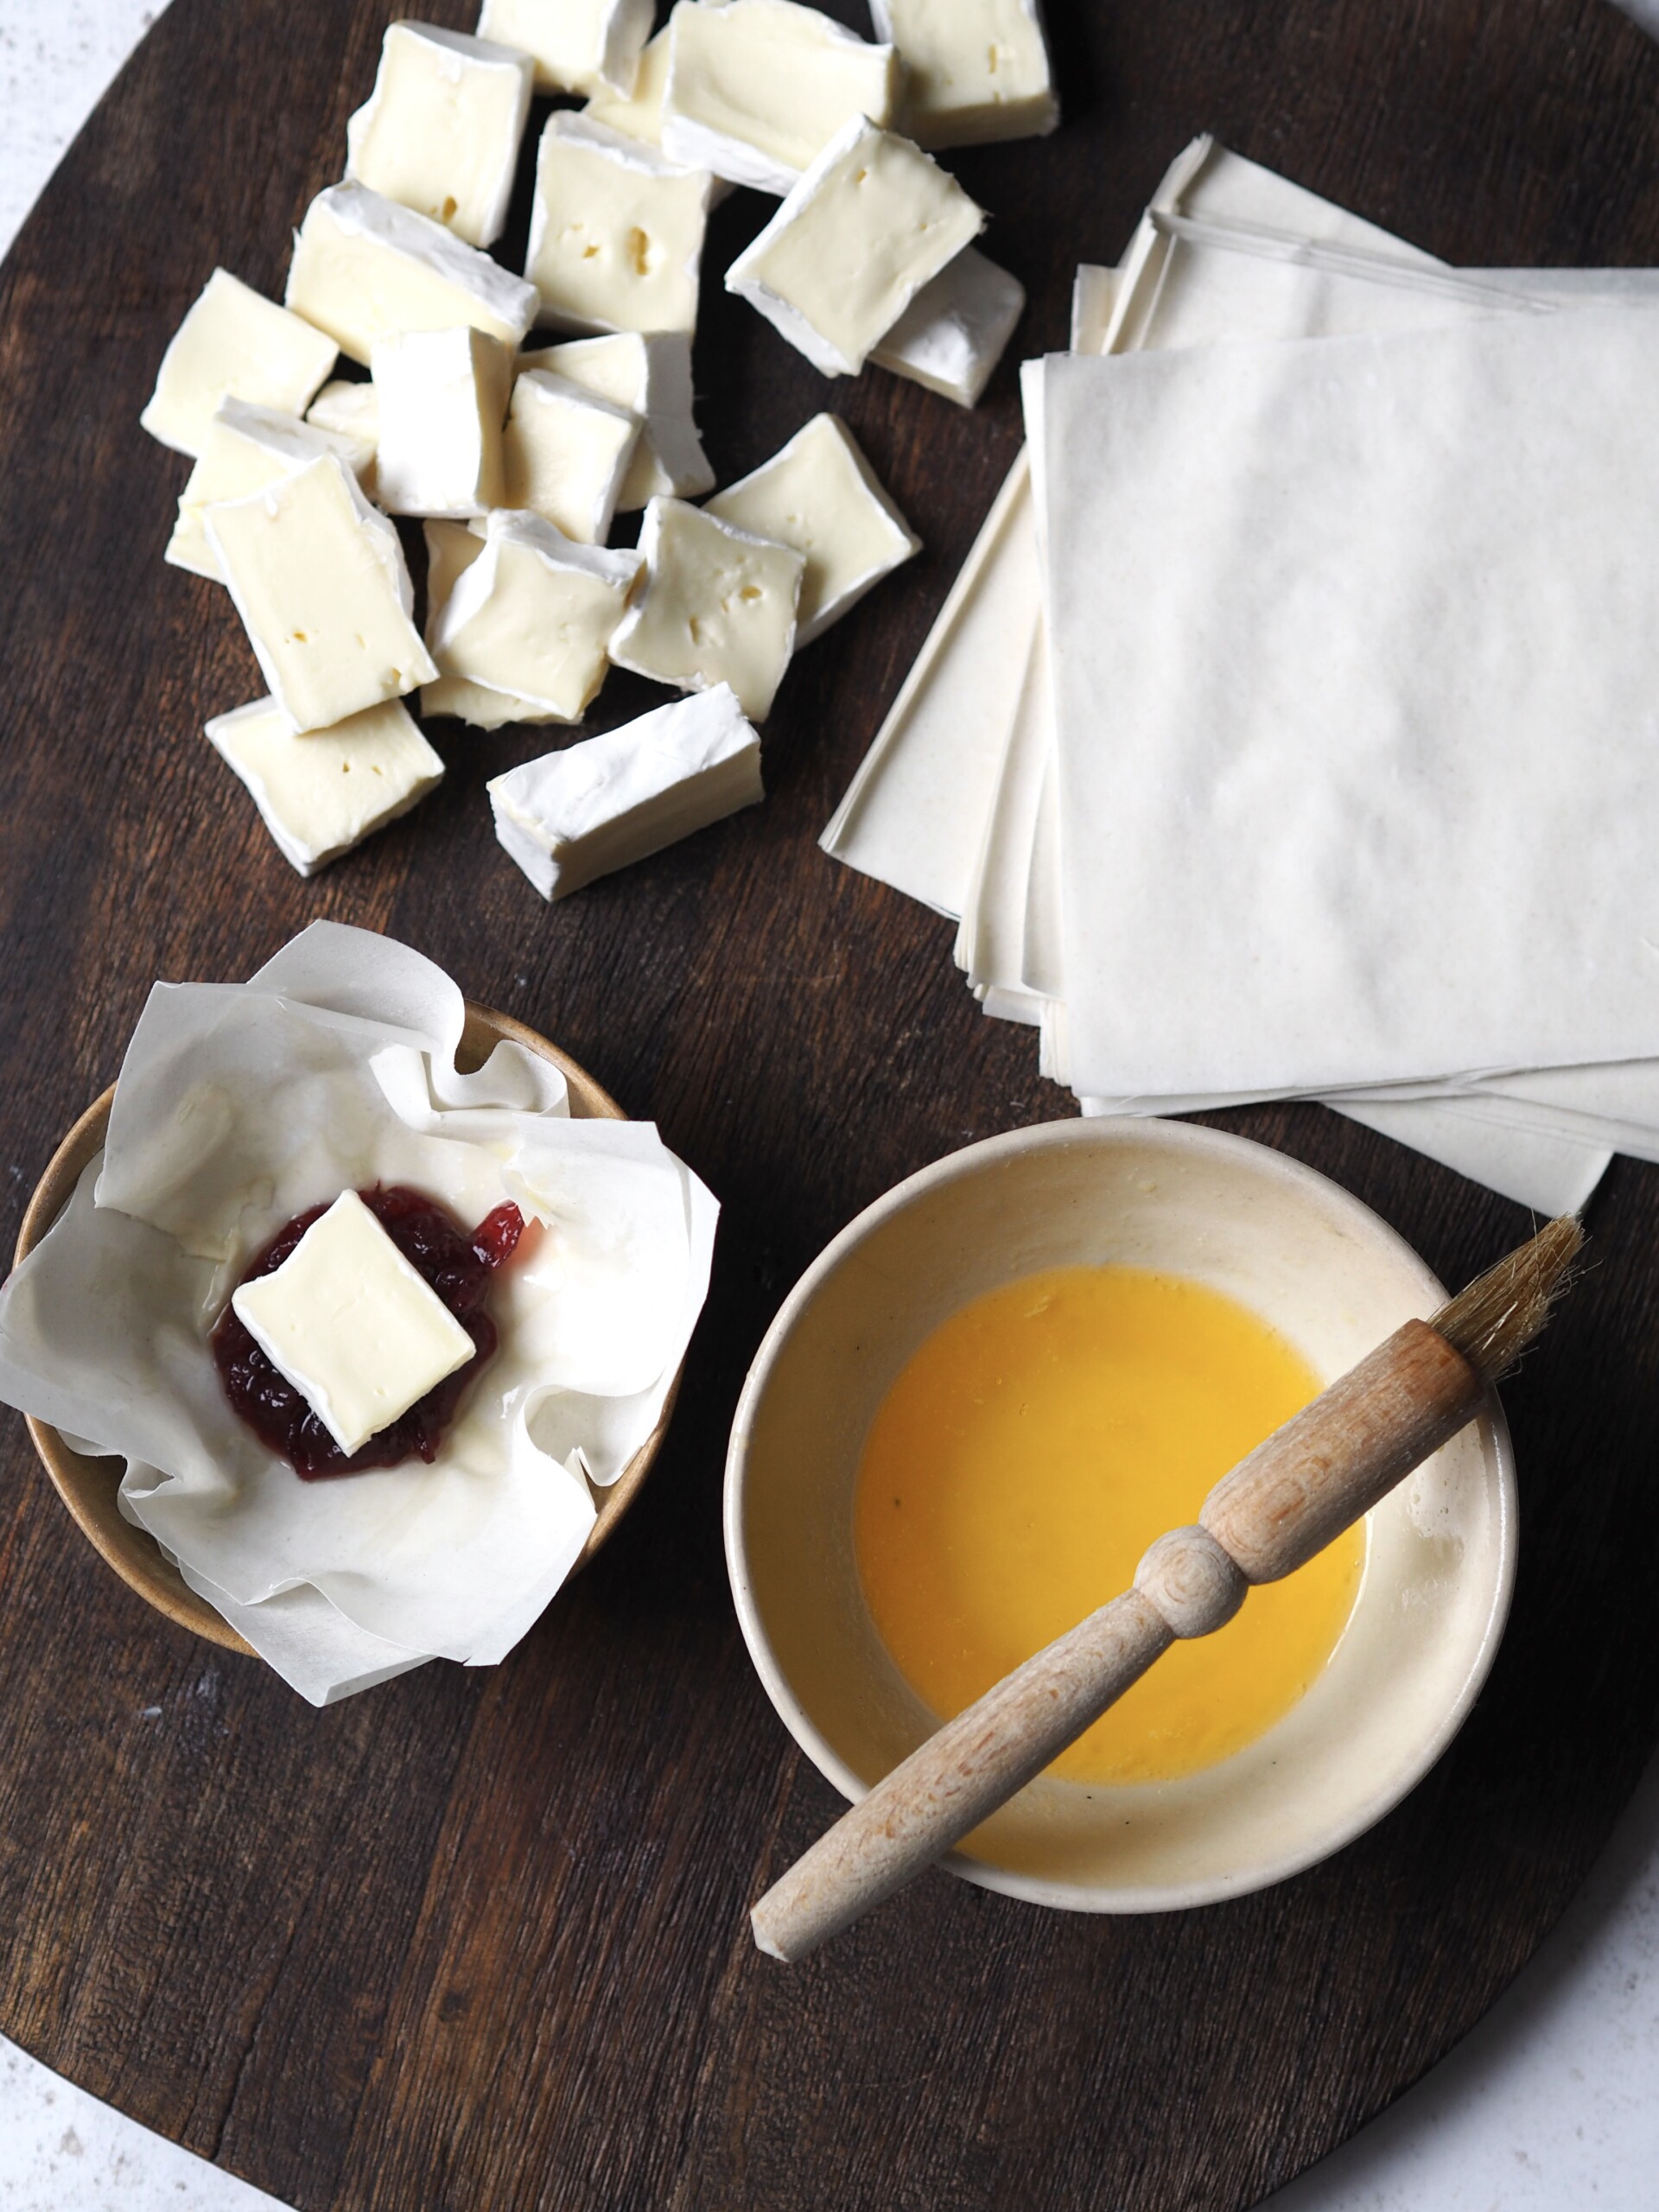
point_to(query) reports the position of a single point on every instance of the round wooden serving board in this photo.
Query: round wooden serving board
(480, 1939)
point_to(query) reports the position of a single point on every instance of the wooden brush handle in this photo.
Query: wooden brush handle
(1331, 1462)
(1293, 1496)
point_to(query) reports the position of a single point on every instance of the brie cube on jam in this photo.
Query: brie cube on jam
(247, 447)
(360, 1334)
(535, 614)
(318, 577)
(616, 231)
(956, 330)
(566, 453)
(578, 46)
(451, 549)
(440, 132)
(321, 794)
(365, 269)
(612, 800)
(873, 221)
(443, 399)
(718, 607)
(648, 373)
(974, 70)
(235, 343)
(638, 114)
(758, 88)
(820, 495)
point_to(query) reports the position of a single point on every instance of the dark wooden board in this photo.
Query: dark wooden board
(478, 1940)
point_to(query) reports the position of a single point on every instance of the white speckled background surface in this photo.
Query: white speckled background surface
(1551, 2106)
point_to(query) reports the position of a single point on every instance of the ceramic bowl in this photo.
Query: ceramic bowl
(1310, 1259)
(88, 1485)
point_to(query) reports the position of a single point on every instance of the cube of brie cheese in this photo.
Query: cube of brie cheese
(648, 373)
(718, 607)
(350, 410)
(233, 342)
(247, 447)
(955, 331)
(443, 400)
(440, 132)
(535, 614)
(871, 221)
(758, 88)
(820, 495)
(322, 793)
(360, 1334)
(566, 453)
(365, 269)
(451, 549)
(974, 70)
(616, 231)
(611, 800)
(579, 46)
(638, 114)
(318, 579)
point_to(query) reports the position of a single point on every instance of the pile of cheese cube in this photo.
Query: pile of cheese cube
(517, 461)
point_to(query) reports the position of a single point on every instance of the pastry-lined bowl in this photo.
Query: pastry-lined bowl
(88, 1485)
(1309, 1259)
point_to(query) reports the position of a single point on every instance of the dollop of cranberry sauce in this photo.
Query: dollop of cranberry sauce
(460, 1266)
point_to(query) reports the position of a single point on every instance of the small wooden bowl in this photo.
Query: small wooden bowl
(88, 1486)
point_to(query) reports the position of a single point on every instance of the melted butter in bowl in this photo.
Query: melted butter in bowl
(1024, 1458)
(911, 1350)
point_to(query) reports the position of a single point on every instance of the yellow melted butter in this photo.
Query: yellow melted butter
(1017, 1470)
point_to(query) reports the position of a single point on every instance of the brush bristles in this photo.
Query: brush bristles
(1495, 1320)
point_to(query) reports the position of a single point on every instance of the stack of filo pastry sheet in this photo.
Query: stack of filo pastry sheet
(1293, 728)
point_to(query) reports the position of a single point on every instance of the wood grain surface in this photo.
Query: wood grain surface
(476, 1943)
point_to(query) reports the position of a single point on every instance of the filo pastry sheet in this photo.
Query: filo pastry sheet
(1378, 791)
(1226, 247)
(238, 1107)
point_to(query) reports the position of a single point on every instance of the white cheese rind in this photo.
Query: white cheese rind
(602, 805)
(566, 453)
(638, 114)
(366, 268)
(321, 794)
(247, 447)
(578, 46)
(357, 1331)
(616, 232)
(820, 495)
(649, 373)
(451, 549)
(757, 88)
(234, 343)
(718, 607)
(974, 70)
(440, 133)
(535, 614)
(869, 224)
(318, 579)
(956, 330)
(442, 397)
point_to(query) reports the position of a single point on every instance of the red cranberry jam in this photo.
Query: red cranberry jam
(459, 1267)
